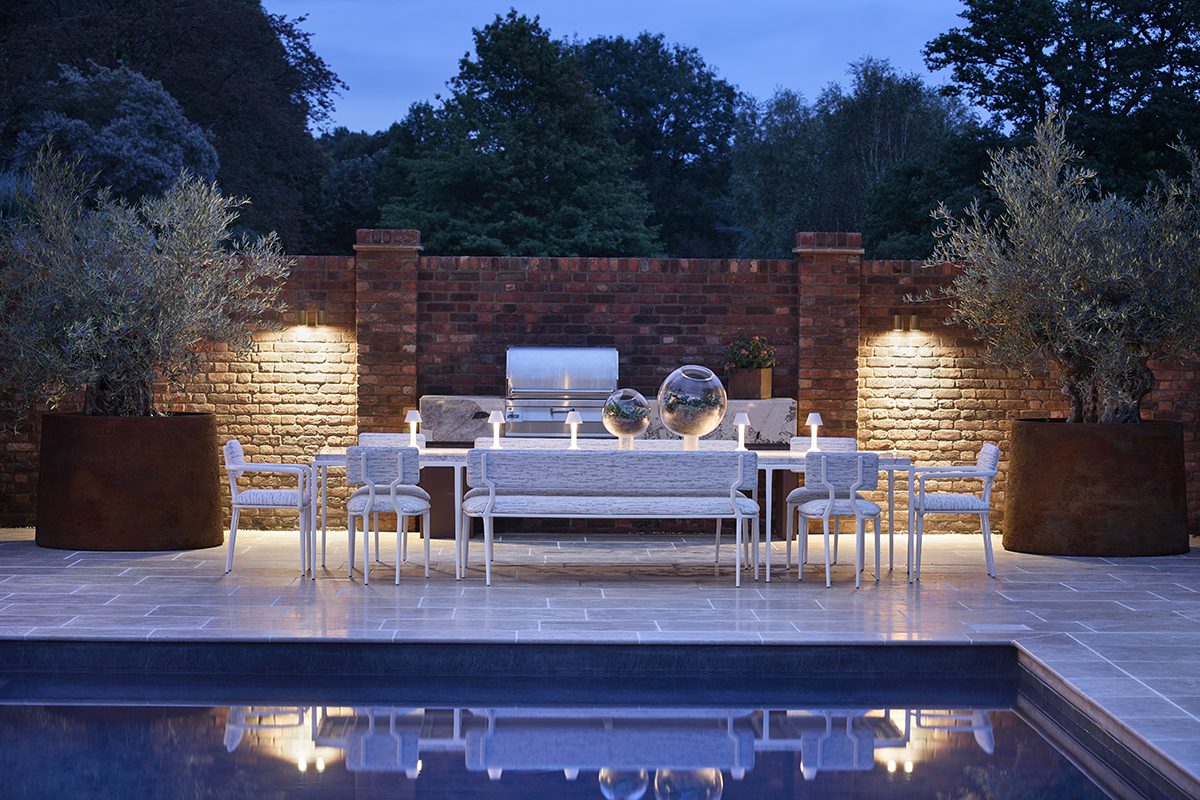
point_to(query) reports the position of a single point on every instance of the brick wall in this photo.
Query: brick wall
(659, 313)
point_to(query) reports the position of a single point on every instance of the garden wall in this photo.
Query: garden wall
(398, 325)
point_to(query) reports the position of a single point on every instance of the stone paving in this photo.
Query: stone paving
(1124, 632)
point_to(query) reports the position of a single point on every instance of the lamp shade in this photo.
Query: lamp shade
(741, 418)
(573, 418)
(814, 419)
(496, 417)
(413, 416)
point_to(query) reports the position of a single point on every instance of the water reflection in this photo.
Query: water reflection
(677, 753)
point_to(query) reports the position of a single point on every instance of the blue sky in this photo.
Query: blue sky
(395, 53)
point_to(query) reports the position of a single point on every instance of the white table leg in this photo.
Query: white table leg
(891, 519)
(458, 522)
(910, 524)
(324, 509)
(770, 493)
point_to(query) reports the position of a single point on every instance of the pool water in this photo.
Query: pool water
(281, 751)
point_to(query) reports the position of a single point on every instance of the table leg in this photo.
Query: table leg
(910, 523)
(891, 519)
(770, 473)
(324, 510)
(458, 522)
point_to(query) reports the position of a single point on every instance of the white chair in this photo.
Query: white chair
(927, 502)
(386, 440)
(388, 479)
(841, 476)
(293, 499)
(809, 491)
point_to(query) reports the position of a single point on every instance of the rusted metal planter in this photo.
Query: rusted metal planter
(129, 483)
(1096, 490)
(750, 384)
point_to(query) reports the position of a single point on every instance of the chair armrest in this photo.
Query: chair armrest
(971, 474)
(971, 468)
(299, 470)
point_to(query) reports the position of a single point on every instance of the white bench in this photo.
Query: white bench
(618, 484)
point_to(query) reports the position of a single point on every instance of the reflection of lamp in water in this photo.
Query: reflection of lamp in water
(574, 419)
(809, 772)
(623, 784)
(496, 418)
(688, 784)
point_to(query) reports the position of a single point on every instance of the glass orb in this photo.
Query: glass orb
(688, 784)
(623, 784)
(626, 413)
(691, 401)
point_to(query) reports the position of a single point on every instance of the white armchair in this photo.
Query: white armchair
(840, 476)
(294, 499)
(387, 440)
(930, 502)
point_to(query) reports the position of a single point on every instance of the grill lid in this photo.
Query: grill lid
(567, 372)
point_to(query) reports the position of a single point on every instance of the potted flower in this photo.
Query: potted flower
(1097, 288)
(102, 301)
(748, 367)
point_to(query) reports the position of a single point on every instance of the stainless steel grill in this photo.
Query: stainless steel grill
(544, 384)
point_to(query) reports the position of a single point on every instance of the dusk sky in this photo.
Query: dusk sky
(394, 53)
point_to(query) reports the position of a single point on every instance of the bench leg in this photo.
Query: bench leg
(487, 550)
(717, 555)
(769, 546)
(425, 534)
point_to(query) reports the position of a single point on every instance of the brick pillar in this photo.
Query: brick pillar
(829, 266)
(386, 300)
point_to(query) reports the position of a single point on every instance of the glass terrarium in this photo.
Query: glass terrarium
(626, 414)
(691, 403)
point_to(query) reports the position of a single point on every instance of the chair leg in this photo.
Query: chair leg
(768, 569)
(425, 535)
(737, 572)
(825, 524)
(351, 534)
(717, 554)
(877, 540)
(757, 547)
(920, 539)
(303, 543)
(860, 526)
(487, 550)
(375, 527)
(789, 527)
(367, 548)
(401, 524)
(233, 525)
(837, 526)
(802, 554)
(404, 544)
(986, 523)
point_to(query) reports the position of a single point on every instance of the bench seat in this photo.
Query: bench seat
(572, 506)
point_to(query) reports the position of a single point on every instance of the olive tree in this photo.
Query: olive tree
(109, 298)
(1097, 286)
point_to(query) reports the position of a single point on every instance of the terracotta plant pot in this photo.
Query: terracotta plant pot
(1096, 490)
(750, 384)
(129, 483)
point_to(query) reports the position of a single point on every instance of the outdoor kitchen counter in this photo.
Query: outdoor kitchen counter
(463, 418)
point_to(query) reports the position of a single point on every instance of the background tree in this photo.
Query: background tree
(679, 121)
(249, 78)
(1127, 71)
(522, 158)
(121, 126)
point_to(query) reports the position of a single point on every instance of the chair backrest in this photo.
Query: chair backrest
(381, 466)
(615, 472)
(842, 471)
(388, 439)
(826, 444)
(989, 458)
(234, 454)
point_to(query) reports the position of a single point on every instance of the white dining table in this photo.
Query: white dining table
(454, 458)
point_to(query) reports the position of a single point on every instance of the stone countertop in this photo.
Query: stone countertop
(463, 418)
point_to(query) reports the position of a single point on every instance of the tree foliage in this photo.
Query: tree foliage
(1096, 285)
(121, 126)
(523, 158)
(250, 78)
(679, 120)
(110, 297)
(1127, 71)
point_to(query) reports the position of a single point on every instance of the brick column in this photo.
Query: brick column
(829, 269)
(386, 299)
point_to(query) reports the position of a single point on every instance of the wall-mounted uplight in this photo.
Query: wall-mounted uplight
(813, 422)
(413, 418)
(310, 316)
(496, 419)
(905, 322)
(742, 420)
(574, 419)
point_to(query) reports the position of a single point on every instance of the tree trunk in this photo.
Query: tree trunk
(1124, 405)
(107, 399)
